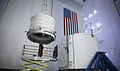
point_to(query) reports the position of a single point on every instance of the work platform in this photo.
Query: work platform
(31, 62)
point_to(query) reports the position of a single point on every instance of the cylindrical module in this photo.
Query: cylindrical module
(42, 29)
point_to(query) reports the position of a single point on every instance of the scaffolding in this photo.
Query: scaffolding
(33, 62)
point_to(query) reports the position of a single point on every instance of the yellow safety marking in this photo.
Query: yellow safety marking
(34, 62)
(43, 9)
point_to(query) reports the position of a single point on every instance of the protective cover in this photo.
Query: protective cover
(42, 29)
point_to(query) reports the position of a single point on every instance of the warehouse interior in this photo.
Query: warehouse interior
(71, 32)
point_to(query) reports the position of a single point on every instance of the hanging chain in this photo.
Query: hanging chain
(44, 7)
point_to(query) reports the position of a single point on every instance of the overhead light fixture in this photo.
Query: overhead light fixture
(90, 15)
(95, 11)
(92, 27)
(98, 24)
(86, 31)
(85, 19)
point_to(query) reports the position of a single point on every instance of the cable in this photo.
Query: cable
(44, 7)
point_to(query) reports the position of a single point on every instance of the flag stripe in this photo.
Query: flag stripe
(64, 25)
(69, 25)
(72, 24)
(77, 23)
(71, 29)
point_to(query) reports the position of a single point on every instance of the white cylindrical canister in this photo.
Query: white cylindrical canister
(42, 29)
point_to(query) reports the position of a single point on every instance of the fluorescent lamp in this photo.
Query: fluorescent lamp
(92, 27)
(95, 11)
(86, 31)
(90, 15)
(85, 19)
(98, 25)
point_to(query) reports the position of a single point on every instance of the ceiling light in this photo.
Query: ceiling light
(85, 19)
(98, 25)
(95, 11)
(92, 27)
(86, 31)
(90, 15)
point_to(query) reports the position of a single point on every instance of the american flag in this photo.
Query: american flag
(70, 22)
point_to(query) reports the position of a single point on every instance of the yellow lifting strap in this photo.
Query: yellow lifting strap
(31, 62)
(44, 7)
(38, 64)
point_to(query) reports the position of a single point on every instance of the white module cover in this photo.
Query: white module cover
(42, 29)
(82, 48)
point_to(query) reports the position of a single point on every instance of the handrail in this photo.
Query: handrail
(30, 50)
